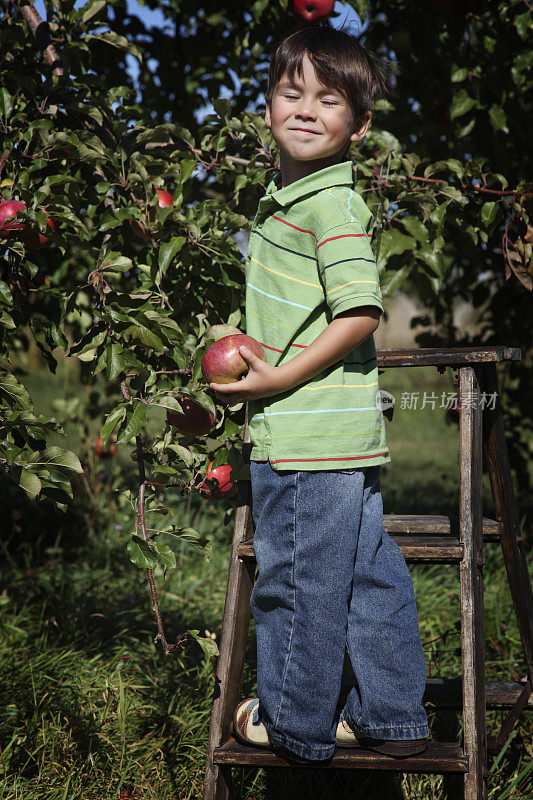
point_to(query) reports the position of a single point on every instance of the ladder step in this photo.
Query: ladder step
(436, 525)
(414, 548)
(439, 757)
(421, 537)
(447, 693)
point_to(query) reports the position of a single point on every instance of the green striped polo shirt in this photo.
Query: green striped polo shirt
(309, 258)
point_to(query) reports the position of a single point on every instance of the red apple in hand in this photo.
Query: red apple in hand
(225, 486)
(310, 10)
(194, 421)
(222, 362)
(104, 452)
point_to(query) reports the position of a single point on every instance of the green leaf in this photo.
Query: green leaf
(6, 103)
(146, 336)
(110, 37)
(90, 10)
(488, 213)
(134, 421)
(209, 646)
(6, 320)
(240, 181)
(168, 250)
(141, 553)
(394, 242)
(433, 260)
(461, 104)
(455, 165)
(466, 129)
(193, 537)
(498, 119)
(458, 74)
(392, 280)
(30, 483)
(522, 24)
(116, 262)
(58, 457)
(166, 553)
(187, 167)
(223, 107)
(5, 294)
(415, 227)
(15, 392)
(183, 453)
(115, 361)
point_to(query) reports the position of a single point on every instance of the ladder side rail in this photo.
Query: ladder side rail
(471, 584)
(506, 510)
(232, 650)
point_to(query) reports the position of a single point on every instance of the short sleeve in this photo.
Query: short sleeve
(347, 268)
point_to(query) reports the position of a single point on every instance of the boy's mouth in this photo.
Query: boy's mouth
(305, 130)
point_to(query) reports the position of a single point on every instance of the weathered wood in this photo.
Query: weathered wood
(439, 757)
(471, 584)
(439, 549)
(447, 693)
(232, 650)
(436, 525)
(449, 356)
(505, 504)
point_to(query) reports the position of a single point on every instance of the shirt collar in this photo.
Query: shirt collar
(334, 175)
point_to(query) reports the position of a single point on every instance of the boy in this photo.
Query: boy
(329, 576)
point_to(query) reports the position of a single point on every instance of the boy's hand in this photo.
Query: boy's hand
(262, 380)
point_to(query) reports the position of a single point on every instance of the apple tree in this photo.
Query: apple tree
(135, 289)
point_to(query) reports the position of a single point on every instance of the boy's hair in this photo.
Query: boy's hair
(339, 60)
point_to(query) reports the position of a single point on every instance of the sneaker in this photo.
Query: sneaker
(246, 726)
(396, 748)
(345, 736)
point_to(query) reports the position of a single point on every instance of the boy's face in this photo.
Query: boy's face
(311, 121)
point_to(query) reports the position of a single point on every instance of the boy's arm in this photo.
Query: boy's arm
(346, 331)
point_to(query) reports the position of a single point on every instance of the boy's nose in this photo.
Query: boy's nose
(305, 110)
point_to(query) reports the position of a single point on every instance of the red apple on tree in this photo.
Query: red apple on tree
(36, 239)
(10, 226)
(8, 217)
(194, 420)
(103, 452)
(222, 362)
(225, 487)
(310, 10)
(164, 198)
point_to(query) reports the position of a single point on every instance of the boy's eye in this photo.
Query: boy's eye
(295, 97)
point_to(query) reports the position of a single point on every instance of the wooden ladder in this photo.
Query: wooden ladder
(421, 538)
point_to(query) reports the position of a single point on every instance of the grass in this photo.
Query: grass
(90, 708)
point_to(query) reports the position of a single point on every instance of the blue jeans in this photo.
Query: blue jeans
(330, 578)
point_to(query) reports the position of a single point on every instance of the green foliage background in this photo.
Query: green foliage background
(445, 167)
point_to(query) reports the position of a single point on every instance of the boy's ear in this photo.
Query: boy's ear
(267, 116)
(361, 127)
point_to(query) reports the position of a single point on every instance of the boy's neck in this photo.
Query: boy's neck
(294, 170)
